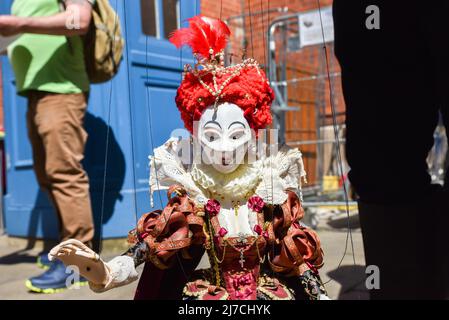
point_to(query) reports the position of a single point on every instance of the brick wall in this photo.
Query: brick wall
(311, 95)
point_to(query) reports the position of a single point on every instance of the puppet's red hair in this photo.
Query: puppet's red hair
(244, 84)
(250, 91)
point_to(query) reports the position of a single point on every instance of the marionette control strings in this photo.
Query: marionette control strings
(150, 122)
(131, 120)
(106, 152)
(270, 149)
(251, 28)
(181, 68)
(264, 26)
(270, 155)
(337, 139)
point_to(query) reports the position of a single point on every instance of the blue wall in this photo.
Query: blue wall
(140, 97)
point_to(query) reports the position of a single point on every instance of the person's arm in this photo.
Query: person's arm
(75, 20)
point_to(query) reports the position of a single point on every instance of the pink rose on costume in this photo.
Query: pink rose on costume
(258, 229)
(256, 203)
(265, 235)
(212, 207)
(222, 232)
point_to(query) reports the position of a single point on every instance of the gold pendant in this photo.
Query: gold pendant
(236, 208)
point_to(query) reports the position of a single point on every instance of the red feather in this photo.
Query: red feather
(202, 34)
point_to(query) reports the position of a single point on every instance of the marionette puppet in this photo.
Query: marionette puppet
(245, 215)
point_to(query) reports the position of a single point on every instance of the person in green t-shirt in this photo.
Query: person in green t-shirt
(48, 62)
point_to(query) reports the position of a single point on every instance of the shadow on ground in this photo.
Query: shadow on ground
(20, 256)
(352, 281)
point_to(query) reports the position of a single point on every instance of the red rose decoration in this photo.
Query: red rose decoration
(256, 203)
(212, 207)
(222, 232)
(265, 235)
(258, 229)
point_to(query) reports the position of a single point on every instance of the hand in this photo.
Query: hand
(74, 253)
(10, 25)
(313, 286)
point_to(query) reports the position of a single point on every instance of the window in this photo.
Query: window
(149, 23)
(153, 10)
(171, 19)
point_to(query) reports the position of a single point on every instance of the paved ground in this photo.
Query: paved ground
(344, 282)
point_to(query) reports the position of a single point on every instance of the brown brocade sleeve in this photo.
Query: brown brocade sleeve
(167, 232)
(296, 248)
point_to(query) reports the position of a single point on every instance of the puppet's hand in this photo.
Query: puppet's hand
(313, 286)
(74, 253)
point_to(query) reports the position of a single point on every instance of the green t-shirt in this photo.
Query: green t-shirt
(46, 62)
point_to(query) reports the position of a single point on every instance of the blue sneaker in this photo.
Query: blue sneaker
(54, 280)
(43, 262)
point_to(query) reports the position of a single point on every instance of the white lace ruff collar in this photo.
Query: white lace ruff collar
(268, 178)
(238, 184)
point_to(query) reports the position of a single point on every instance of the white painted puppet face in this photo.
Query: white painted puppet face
(224, 134)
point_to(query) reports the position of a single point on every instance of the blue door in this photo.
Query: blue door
(126, 119)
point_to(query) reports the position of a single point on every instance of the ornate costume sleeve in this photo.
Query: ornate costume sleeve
(161, 234)
(296, 249)
(158, 237)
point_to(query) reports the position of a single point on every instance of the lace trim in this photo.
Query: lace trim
(281, 172)
(166, 169)
(238, 184)
(268, 178)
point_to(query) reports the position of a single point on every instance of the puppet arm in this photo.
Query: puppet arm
(158, 237)
(297, 249)
(102, 276)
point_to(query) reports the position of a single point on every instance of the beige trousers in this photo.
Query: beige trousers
(55, 129)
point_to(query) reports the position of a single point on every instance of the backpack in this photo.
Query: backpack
(103, 43)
